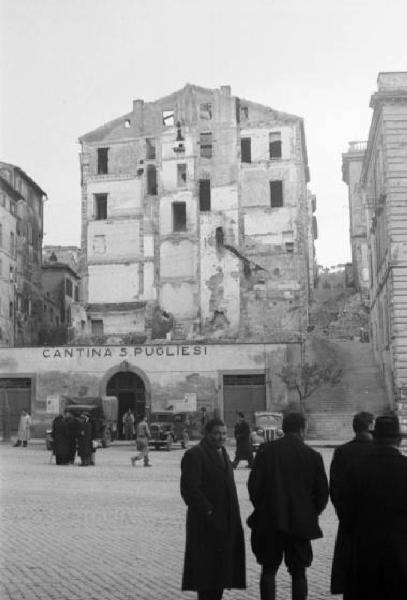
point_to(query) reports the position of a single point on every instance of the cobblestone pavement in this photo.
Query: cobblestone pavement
(112, 532)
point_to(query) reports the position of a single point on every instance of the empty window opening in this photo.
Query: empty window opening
(275, 144)
(100, 206)
(205, 141)
(76, 293)
(179, 216)
(205, 111)
(150, 148)
(97, 327)
(151, 180)
(220, 238)
(181, 175)
(244, 113)
(127, 123)
(68, 287)
(276, 194)
(204, 195)
(103, 161)
(168, 118)
(180, 137)
(246, 150)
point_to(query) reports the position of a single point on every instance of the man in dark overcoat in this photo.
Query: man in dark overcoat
(244, 449)
(344, 456)
(373, 509)
(288, 488)
(85, 439)
(214, 552)
(60, 441)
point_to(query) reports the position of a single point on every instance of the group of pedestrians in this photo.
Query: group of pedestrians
(71, 435)
(289, 489)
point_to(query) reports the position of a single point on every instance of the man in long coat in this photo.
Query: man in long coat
(344, 456)
(214, 552)
(373, 510)
(288, 488)
(244, 449)
(61, 446)
(85, 439)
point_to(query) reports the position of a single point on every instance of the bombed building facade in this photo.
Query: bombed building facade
(195, 221)
(197, 261)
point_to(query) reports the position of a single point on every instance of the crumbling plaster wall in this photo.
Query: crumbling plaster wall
(113, 283)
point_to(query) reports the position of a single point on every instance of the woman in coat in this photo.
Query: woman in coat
(61, 444)
(214, 552)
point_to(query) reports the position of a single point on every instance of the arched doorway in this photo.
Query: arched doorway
(130, 390)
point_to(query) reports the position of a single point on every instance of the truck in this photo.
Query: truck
(103, 409)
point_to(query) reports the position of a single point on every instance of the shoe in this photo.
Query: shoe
(148, 465)
(133, 461)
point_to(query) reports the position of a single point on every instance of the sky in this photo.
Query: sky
(68, 66)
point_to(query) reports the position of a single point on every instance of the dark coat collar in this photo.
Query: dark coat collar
(212, 452)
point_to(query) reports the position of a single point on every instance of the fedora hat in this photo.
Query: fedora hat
(387, 427)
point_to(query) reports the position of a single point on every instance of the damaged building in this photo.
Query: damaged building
(197, 259)
(195, 216)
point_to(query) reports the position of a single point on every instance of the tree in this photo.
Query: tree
(306, 378)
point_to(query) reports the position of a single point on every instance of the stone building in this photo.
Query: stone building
(384, 179)
(352, 162)
(197, 260)
(195, 220)
(25, 267)
(8, 235)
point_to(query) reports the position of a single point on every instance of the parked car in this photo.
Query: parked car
(267, 427)
(168, 427)
(162, 429)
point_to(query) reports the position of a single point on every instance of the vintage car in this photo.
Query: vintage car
(168, 427)
(267, 427)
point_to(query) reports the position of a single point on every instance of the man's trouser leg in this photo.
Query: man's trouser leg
(268, 583)
(298, 556)
(210, 595)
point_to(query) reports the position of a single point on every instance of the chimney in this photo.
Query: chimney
(226, 90)
(138, 109)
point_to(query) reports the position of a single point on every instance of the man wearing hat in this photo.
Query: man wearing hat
(244, 449)
(372, 508)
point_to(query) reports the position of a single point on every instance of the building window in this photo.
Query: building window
(99, 244)
(68, 287)
(246, 150)
(76, 293)
(204, 195)
(12, 243)
(151, 180)
(205, 140)
(127, 123)
(244, 113)
(205, 111)
(179, 216)
(181, 175)
(97, 327)
(168, 118)
(276, 194)
(68, 315)
(103, 161)
(100, 206)
(275, 144)
(150, 148)
(10, 311)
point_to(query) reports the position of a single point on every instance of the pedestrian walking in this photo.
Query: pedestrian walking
(288, 488)
(372, 508)
(244, 450)
(85, 440)
(61, 445)
(128, 425)
(214, 551)
(344, 456)
(142, 436)
(24, 429)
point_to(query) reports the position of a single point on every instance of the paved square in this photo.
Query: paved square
(113, 532)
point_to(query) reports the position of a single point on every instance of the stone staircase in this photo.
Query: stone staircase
(331, 407)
